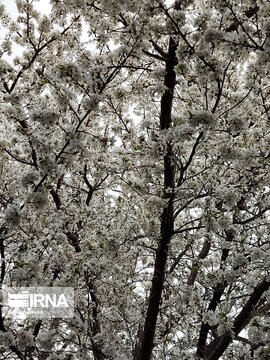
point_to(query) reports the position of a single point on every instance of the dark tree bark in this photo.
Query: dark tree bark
(217, 294)
(218, 346)
(146, 341)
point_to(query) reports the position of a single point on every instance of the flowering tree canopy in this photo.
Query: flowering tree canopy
(135, 150)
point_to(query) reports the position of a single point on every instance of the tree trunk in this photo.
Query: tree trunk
(146, 342)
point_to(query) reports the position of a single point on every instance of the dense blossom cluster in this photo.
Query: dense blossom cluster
(134, 141)
(45, 117)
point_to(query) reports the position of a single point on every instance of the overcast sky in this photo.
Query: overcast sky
(10, 7)
(42, 5)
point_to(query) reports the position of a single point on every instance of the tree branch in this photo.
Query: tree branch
(244, 317)
(143, 350)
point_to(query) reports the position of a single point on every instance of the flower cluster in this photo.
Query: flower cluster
(46, 118)
(205, 118)
(13, 215)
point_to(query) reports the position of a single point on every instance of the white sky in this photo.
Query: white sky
(41, 5)
(10, 7)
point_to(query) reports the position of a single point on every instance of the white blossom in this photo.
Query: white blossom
(205, 118)
(134, 162)
(45, 117)
(13, 215)
(28, 178)
(39, 198)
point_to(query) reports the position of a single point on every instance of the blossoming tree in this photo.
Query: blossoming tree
(135, 169)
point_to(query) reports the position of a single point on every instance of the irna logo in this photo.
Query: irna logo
(42, 302)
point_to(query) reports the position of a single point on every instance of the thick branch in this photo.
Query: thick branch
(73, 239)
(56, 198)
(144, 350)
(221, 343)
(218, 292)
(3, 271)
(195, 267)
